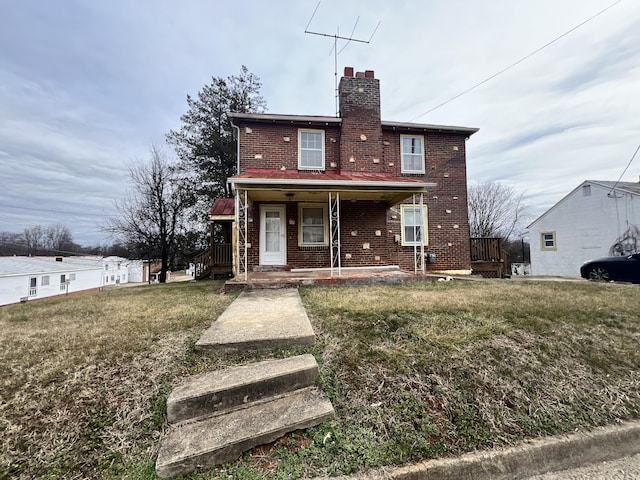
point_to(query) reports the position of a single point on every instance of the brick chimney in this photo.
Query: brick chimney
(361, 135)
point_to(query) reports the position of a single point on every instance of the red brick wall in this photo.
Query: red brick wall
(360, 222)
(265, 145)
(448, 223)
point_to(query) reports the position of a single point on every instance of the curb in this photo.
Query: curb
(535, 457)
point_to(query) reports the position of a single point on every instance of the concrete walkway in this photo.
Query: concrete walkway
(260, 320)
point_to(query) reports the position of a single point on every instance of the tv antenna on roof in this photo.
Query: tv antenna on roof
(334, 49)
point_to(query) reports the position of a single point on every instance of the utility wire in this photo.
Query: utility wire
(625, 170)
(517, 62)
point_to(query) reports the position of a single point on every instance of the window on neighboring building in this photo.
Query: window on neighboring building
(72, 276)
(63, 282)
(412, 150)
(313, 224)
(44, 280)
(414, 225)
(548, 240)
(311, 149)
(33, 286)
(586, 190)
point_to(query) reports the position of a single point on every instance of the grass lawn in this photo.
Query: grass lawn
(414, 371)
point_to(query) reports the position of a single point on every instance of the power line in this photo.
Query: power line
(517, 62)
(625, 170)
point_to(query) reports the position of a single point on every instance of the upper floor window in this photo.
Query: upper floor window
(586, 190)
(412, 151)
(311, 149)
(548, 240)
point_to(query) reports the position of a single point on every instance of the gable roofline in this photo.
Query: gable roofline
(626, 187)
(317, 120)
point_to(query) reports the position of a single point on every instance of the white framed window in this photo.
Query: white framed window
(586, 190)
(72, 276)
(547, 240)
(63, 282)
(44, 280)
(310, 149)
(412, 153)
(33, 286)
(313, 224)
(414, 225)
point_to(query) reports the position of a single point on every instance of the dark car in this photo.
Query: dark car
(622, 269)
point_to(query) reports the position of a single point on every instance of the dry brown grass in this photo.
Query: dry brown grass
(83, 378)
(414, 372)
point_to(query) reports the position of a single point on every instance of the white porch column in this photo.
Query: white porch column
(334, 220)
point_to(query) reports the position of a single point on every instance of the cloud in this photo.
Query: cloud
(85, 87)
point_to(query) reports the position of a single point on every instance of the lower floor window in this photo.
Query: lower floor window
(414, 225)
(313, 224)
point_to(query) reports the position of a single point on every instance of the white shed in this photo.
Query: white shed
(596, 219)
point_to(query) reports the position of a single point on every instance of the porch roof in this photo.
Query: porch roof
(280, 185)
(222, 209)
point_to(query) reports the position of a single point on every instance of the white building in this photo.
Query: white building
(597, 219)
(29, 278)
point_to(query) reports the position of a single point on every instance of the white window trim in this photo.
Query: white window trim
(425, 236)
(309, 130)
(325, 217)
(404, 170)
(542, 242)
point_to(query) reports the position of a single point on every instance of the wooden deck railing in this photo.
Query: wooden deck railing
(486, 249)
(202, 264)
(222, 254)
(487, 257)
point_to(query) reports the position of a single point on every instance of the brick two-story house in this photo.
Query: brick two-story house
(349, 191)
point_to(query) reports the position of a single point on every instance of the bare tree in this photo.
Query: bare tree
(495, 209)
(151, 215)
(39, 240)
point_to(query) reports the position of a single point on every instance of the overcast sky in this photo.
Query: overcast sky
(87, 86)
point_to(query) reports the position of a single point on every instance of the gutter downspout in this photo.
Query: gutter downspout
(237, 128)
(235, 237)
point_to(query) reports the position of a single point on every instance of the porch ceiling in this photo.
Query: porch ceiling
(284, 194)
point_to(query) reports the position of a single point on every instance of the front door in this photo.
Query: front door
(273, 240)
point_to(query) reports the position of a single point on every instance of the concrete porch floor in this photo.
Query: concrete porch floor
(347, 276)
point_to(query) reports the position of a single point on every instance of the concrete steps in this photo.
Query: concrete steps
(238, 386)
(217, 416)
(260, 320)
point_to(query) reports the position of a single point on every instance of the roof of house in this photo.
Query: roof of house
(632, 188)
(14, 266)
(318, 120)
(628, 187)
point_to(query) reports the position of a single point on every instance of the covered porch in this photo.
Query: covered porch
(293, 221)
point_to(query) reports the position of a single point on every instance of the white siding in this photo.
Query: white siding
(586, 227)
(16, 286)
